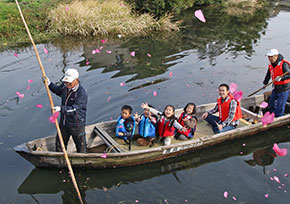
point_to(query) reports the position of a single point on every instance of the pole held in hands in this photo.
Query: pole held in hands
(265, 86)
(52, 105)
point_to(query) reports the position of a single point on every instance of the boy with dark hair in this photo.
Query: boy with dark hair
(125, 127)
(229, 111)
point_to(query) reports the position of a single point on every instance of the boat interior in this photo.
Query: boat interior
(101, 136)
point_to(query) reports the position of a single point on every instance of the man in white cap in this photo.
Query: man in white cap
(277, 67)
(73, 110)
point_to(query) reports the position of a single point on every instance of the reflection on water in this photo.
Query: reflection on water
(54, 181)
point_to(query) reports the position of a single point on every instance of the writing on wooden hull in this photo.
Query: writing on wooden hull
(183, 147)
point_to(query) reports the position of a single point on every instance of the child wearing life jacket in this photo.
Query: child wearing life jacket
(188, 120)
(125, 127)
(166, 123)
(146, 127)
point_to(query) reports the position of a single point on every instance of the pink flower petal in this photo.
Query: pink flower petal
(45, 50)
(268, 118)
(198, 14)
(122, 4)
(274, 169)
(244, 144)
(286, 175)
(109, 98)
(132, 54)
(234, 198)
(101, 48)
(238, 95)
(104, 155)
(104, 41)
(148, 55)
(30, 81)
(93, 52)
(28, 87)
(53, 117)
(154, 93)
(16, 55)
(136, 201)
(19, 95)
(226, 194)
(276, 179)
(170, 74)
(108, 51)
(87, 63)
(233, 87)
(266, 195)
(280, 152)
(39, 105)
(271, 178)
(97, 50)
(66, 9)
(122, 84)
(264, 104)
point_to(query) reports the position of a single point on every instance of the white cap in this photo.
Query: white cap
(70, 75)
(272, 52)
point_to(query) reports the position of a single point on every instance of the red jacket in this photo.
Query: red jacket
(181, 122)
(278, 71)
(224, 108)
(163, 128)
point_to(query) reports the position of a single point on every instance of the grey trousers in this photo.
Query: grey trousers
(79, 137)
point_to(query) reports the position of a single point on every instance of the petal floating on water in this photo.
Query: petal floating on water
(45, 50)
(28, 87)
(109, 98)
(280, 152)
(233, 87)
(276, 179)
(198, 14)
(122, 84)
(266, 195)
(226, 194)
(234, 198)
(154, 93)
(16, 55)
(30, 81)
(39, 105)
(170, 74)
(149, 55)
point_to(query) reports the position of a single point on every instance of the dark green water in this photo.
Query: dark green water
(203, 55)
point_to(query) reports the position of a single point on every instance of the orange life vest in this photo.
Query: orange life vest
(189, 132)
(278, 71)
(164, 129)
(224, 108)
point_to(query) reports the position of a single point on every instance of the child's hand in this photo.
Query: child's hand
(121, 134)
(145, 106)
(136, 116)
(183, 129)
(185, 119)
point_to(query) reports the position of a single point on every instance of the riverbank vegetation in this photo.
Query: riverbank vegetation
(50, 19)
(98, 17)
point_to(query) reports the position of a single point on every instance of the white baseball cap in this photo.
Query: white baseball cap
(70, 75)
(272, 52)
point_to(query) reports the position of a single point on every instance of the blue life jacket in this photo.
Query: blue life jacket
(120, 127)
(146, 128)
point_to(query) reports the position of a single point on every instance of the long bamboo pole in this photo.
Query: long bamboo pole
(52, 105)
(265, 86)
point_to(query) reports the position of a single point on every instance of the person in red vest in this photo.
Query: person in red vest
(229, 111)
(277, 67)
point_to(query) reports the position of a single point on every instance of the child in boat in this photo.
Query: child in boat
(188, 120)
(146, 127)
(125, 127)
(166, 123)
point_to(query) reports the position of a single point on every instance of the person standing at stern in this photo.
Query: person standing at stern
(73, 110)
(276, 68)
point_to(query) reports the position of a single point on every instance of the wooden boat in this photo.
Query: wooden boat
(101, 138)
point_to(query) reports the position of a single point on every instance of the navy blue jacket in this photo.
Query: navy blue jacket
(73, 105)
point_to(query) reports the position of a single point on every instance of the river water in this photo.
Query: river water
(200, 57)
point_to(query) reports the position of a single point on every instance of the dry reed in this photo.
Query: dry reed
(104, 17)
(243, 7)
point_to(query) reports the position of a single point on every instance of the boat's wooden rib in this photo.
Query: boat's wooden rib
(204, 138)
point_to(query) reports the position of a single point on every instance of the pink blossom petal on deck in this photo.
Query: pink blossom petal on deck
(266, 195)
(199, 15)
(170, 74)
(39, 105)
(122, 84)
(154, 93)
(264, 104)
(233, 87)
(268, 118)
(226, 194)
(109, 98)
(45, 50)
(238, 95)
(276, 179)
(16, 55)
(132, 54)
(30, 81)
(93, 52)
(104, 155)
(103, 41)
(101, 48)
(280, 152)
(97, 50)
(28, 87)
(108, 51)
(149, 55)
